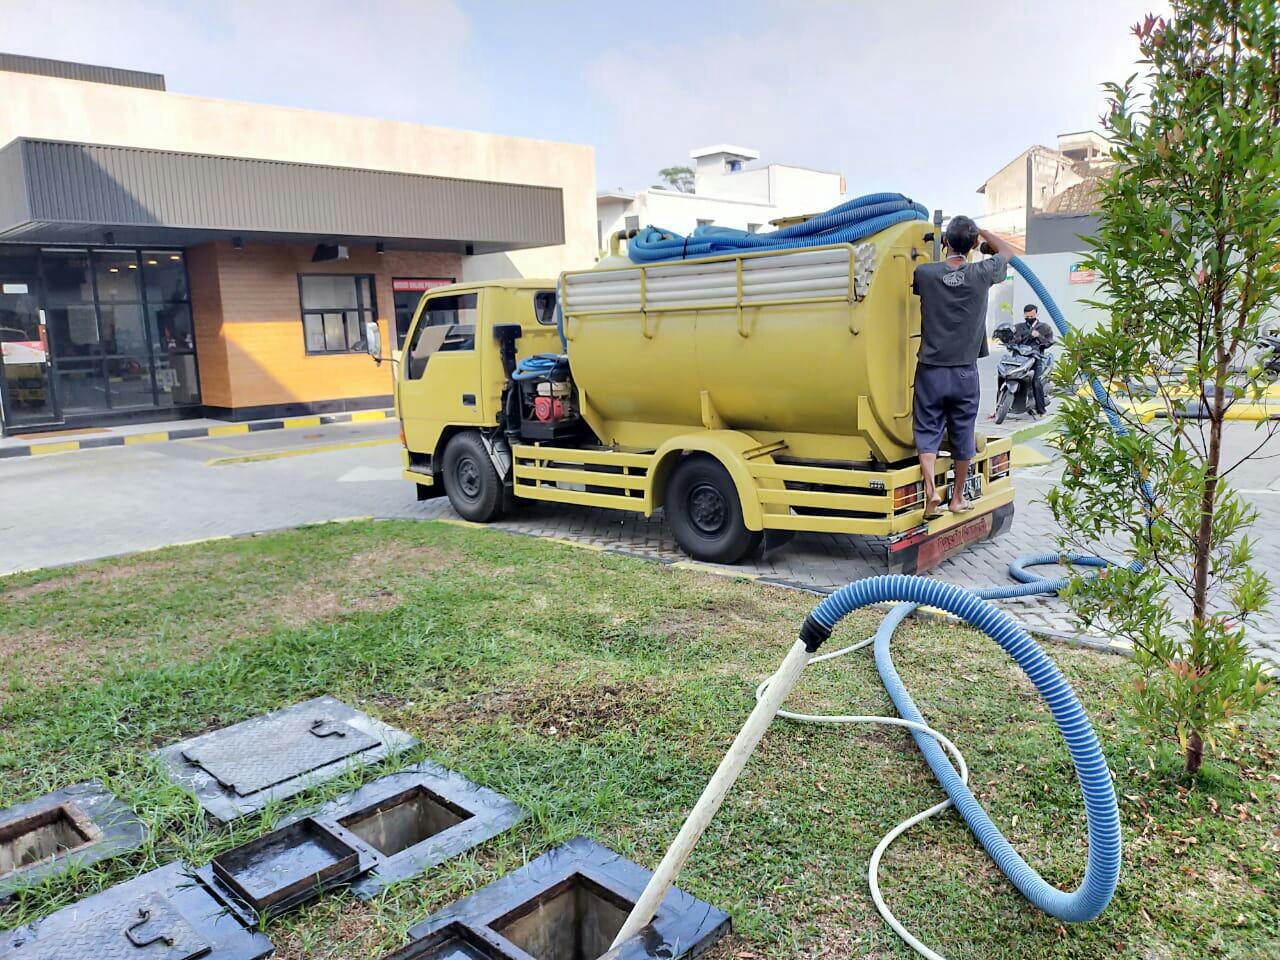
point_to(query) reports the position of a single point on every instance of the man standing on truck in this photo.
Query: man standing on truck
(953, 335)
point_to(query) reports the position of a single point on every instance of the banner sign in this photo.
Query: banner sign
(403, 285)
(1079, 273)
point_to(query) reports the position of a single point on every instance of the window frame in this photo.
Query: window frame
(364, 312)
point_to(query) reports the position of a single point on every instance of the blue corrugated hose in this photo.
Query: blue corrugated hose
(847, 223)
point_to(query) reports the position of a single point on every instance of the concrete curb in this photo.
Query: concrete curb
(194, 433)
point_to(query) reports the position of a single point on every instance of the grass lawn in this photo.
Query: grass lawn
(600, 692)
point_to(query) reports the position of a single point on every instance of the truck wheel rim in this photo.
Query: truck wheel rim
(469, 478)
(707, 509)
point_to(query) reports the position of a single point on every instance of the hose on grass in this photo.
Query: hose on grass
(855, 220)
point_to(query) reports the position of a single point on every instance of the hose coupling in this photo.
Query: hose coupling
(813, 634)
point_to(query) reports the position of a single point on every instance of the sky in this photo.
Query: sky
(921, 97)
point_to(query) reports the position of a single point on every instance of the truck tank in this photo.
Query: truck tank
(815, 347)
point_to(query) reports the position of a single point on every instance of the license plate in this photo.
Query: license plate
(936, 549)
(972, 487)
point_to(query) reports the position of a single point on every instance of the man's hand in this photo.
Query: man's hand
(998, 243)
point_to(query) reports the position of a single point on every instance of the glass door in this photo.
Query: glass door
(26, 386)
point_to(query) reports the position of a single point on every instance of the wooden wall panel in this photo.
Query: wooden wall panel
(250, 315)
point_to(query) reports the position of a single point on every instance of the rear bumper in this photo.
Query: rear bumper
(925, 548)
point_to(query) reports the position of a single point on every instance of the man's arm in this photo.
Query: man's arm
(997, 266)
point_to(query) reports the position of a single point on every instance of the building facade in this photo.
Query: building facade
(1043, 180)
(164, 256)
(731, 188)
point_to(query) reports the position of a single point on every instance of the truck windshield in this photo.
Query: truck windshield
(447, 323)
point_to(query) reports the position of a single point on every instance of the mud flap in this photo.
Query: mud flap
(919, 551)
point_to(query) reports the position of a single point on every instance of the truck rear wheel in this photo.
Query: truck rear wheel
(470, 480)
(705, 513)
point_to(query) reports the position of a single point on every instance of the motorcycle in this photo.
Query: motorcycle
(1016, 373)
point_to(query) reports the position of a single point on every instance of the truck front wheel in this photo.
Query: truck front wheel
(705, 513)
(470, 480)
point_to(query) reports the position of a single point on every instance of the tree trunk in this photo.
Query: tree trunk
(1195, 753)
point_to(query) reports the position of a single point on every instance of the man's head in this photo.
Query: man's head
(961, 235)
(1030, 313)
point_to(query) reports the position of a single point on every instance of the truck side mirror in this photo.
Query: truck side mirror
(373, 340)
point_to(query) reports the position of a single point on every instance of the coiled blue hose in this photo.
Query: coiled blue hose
(537, 366)
(1103, 867)
(847, 223)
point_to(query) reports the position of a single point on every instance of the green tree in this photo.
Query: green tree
(677, 178)
(1188, 259)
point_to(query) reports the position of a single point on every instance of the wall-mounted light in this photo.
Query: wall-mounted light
(380, 248)
(237, 243)
(470, 250)
(329, 251)
(109, 238)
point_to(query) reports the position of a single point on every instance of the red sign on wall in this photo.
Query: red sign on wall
(419, 285)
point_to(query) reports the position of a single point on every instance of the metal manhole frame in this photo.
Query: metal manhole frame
(120, 831)
(490, 814)
(224, 805)
(684, 927)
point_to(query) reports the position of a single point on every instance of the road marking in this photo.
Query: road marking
(1027, 456)
(301, 451)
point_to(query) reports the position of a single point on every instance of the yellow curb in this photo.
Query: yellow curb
(454, 521)
(303, 452)
(230, 430)
(325, 523)
(363, 416)
(65, 447)
(137, 438)
(1024, 455)
(712, 569)
(180, 543)
(294, 423)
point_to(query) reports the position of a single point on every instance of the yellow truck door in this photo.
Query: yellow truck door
(440, 382)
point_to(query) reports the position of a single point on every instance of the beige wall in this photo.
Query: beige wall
(55, 109)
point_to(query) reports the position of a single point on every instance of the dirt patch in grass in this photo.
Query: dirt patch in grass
(76, 577)
(581, 711)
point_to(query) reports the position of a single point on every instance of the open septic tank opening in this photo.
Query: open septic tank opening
(404, 820)
(43, 835)
(575, 920)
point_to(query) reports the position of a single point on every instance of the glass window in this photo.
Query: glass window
(81, 386)
(122, 330)
(73, 330)
(544, 306)
(447, 323)
(176, 379)
(335, 308)
(171, 328)
(164, 275)
(405, 294)
(130, 381)
(66, 277)
(116, 273)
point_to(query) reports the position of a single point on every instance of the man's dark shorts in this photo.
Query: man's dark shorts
(946, 402)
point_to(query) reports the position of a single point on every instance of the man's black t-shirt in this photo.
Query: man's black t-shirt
(953, 309)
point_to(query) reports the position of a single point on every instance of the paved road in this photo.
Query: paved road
(77, 506)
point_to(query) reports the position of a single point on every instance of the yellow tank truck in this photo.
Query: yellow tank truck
(742, 394)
